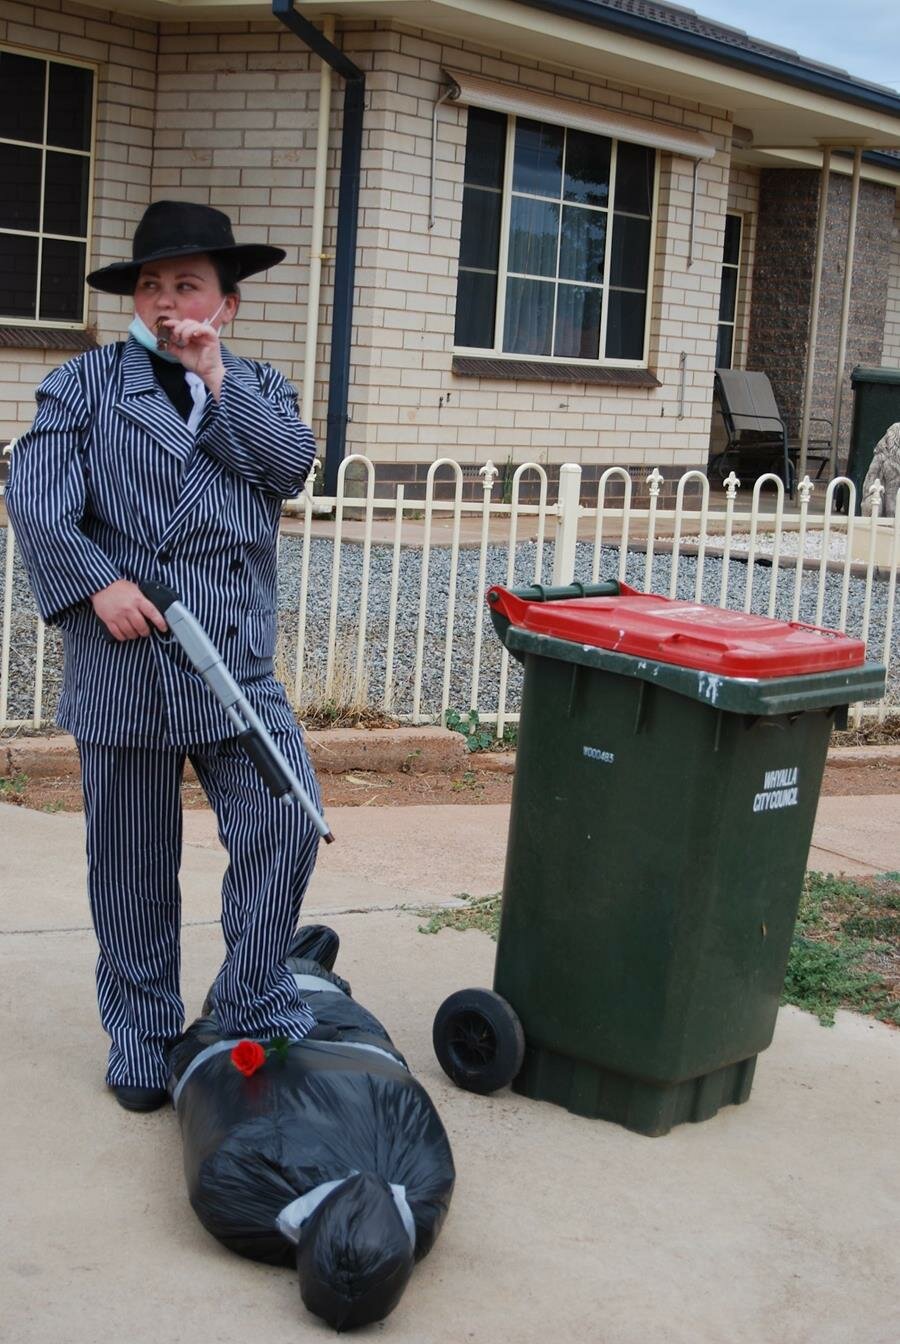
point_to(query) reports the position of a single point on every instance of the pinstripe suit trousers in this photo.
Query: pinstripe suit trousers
(132, 801)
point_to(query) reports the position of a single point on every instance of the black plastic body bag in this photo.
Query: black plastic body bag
(331, 1156)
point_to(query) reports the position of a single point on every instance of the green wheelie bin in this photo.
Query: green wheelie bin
(876, 406)
(669, 762)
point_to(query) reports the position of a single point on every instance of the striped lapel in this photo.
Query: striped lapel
(144, 403)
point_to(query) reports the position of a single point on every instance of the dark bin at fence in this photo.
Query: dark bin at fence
(876, 406)
(668, 768)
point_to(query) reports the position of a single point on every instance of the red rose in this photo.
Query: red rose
(248, 1056)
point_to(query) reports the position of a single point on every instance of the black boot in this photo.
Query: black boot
(139, 1098)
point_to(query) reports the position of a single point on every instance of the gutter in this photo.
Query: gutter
(842, 87)
(879, 160)
(348, 219)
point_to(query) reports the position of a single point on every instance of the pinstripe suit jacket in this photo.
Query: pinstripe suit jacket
(109, 483)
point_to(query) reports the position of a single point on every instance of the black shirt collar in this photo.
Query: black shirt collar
(173, 382)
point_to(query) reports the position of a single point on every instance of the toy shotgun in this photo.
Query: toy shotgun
(252, 733)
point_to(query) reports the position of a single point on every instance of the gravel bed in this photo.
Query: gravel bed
(790, 543)
(468, 604)
(765, 543)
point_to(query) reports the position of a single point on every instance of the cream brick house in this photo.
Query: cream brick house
(568, 212)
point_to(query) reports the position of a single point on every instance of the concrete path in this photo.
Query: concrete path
(463, 848)
(774, 1223)
(857, 835)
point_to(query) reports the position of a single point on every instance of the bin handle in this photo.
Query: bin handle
(683, 641)
(508, 606)
(504, 602)
(511, 602)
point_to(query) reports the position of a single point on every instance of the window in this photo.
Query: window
(46, 126)
(555, 249)
(731, 265)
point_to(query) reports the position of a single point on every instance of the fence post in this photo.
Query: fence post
(568, 511)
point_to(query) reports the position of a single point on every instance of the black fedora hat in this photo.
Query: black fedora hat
(178, 229)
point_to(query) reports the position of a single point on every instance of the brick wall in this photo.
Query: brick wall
(236, 129)
(782, 283)
(408, 406)
(891, 352)
(124, 51)
(782, 288)
(237, 108)
(868, 295)
(230, 119)
(226, 113)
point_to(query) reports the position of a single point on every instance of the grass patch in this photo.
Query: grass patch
(846, 948)
(12, 788)
(345, 703)
(331, 714)
(479, 912)
(480, 736)
(845, 951)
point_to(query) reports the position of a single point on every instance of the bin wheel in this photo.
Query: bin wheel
(478, 1040)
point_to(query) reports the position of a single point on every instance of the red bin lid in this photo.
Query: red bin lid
(688, 634)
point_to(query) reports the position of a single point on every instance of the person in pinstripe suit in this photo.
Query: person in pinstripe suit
(165, 457)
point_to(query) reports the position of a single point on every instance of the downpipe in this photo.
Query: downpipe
(348, 219)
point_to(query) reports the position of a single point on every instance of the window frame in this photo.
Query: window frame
(46, 323)
(496, 351)
(738, 268)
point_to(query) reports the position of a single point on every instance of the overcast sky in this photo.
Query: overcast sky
(861, 36)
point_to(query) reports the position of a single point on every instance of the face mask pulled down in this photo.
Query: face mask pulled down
(150, 341)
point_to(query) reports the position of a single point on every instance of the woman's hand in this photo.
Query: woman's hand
(196, 344)
(125, 611)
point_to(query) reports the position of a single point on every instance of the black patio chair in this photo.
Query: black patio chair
(757, 435)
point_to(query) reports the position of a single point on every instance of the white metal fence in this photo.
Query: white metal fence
(384, 604)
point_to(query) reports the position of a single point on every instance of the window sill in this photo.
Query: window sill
(523, 370)
(46, 338)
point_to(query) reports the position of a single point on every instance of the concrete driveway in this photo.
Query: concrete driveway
(774, 1223)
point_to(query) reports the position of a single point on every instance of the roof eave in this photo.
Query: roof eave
(635, 25)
